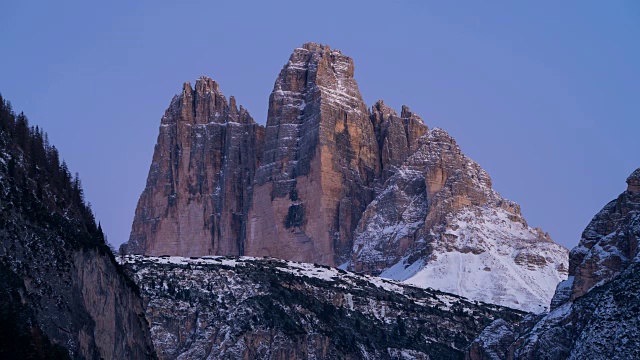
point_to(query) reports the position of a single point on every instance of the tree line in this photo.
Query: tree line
(34, 166)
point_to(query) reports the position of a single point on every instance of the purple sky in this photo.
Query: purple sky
(545, 96)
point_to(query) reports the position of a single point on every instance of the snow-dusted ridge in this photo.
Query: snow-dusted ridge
(311, 271)
(346, 279)
(245, 307)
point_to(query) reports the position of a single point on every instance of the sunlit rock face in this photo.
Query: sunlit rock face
(320, 161)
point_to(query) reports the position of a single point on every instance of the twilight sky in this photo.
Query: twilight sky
(545, 96)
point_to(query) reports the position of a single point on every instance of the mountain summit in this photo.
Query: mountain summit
(334, 182)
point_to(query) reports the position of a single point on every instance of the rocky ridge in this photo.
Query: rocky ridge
(595, 311)
(250, 308)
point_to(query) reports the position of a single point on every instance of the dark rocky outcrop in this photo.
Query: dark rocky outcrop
(609, 243)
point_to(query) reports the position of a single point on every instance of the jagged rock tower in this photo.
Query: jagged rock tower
(199, 186)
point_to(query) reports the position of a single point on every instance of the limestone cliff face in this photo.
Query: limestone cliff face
(609, 243)
(199, 187)
(220, 184)
(436, 180)
(320, 161)
(303, 187)
(117, 329)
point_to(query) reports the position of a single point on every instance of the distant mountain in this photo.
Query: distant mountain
(62, 295)
(596, 310)
(333, 182)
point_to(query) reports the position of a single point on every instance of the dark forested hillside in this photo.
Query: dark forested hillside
(33, 166)
(59, 284)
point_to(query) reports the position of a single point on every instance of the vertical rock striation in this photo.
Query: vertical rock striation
(199, 187)
(395, 136)
(320, 161)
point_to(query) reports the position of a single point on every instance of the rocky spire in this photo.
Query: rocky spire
(320, 161)
(395, 135)
(633, 181)
(200, 182)
(303, 188)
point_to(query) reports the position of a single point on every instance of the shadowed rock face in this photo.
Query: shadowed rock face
(62, 296)
(434, 181)
(199, 187)
(609, 243)
(320, 161)
(396, 135)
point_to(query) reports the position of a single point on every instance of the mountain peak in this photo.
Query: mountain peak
(205, 83)
(326, 173)
(204, 162)
(312, 46)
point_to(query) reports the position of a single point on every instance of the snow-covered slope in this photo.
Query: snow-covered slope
(493, 260)
(438, 223)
